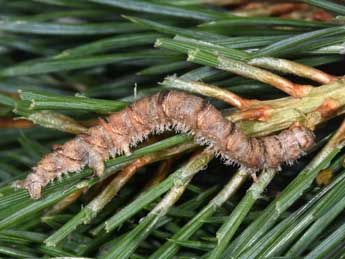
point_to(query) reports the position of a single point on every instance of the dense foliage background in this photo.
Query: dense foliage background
(66, 63)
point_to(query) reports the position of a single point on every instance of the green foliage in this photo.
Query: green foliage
(66, 63)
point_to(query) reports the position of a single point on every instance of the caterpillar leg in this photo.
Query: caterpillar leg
(95, 162)
(254, 177)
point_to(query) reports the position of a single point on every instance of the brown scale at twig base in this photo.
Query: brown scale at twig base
(170, 110)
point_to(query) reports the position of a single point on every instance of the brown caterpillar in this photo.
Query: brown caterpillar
(160, 112)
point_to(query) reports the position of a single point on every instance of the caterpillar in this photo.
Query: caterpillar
(167, 110)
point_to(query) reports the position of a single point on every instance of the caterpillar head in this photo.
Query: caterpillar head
(33, 183)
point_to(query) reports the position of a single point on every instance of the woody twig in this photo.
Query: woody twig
(291, 67)
(245, 70)
(208, 90)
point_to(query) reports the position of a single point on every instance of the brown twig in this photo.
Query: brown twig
(321, 104)
(268, 9)
(66, 202)
(209, 90)
(259, 112)
(328, 107)
(15, 123)
(249, 71)
(291, 67)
